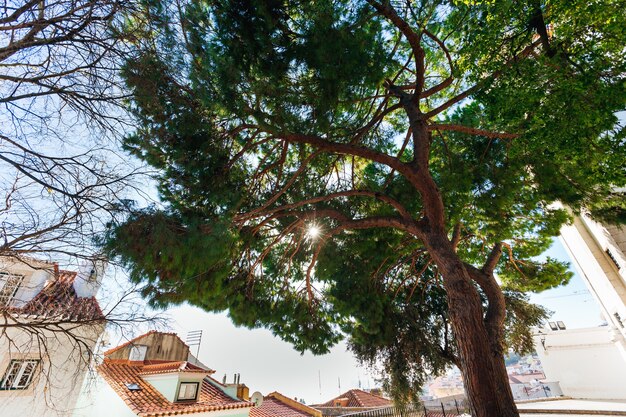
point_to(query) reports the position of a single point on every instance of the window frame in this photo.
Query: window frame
(13, 279)
(17, 376)
(180, 387)
(138, 353)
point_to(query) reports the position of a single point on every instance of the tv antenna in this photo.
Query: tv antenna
(194, 338)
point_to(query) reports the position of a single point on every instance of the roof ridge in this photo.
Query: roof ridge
(358, 396)
(369, 393)
(294, 404)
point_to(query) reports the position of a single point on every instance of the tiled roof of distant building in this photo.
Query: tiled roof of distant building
(526, 378)
(58, 300)
(359, 398)
(277, 405)
(148, 402)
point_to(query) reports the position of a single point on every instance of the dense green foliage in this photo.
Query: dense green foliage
(228, 94)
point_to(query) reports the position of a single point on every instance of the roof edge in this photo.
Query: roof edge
(295, 404)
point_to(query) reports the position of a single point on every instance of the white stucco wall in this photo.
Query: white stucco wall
(587, 242)
(587, 363)
(35, 276)
(166, 384)
(58, 379)
(97, 399)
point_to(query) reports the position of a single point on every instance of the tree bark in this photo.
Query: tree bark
(480, 355)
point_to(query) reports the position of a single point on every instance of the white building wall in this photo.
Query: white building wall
(591, 363)
(587, 363)
(35, 274)
(587, 243)
(97, 399)
(58, 379)
(166, 384)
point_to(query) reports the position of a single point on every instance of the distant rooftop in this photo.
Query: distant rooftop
(147, 401)
(358, 398)
(129, 370)
(278, 405)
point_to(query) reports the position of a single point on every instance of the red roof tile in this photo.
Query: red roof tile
(167, 367)
(359, 398)
(277, 405)
(526, 378)
(58, 300)
(148, 402)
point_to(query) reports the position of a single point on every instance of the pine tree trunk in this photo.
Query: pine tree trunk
(480, 357)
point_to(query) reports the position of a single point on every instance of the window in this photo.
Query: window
(19, 374)
(188, 391)
(138, 353)
(9, 284)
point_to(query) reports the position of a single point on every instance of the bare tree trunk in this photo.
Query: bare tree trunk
(480, 356)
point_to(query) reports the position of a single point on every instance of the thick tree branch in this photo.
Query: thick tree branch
(356, 150)
(456, 236)
(493, 258)
(414, 39)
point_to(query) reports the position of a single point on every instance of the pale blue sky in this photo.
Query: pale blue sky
(573, 303)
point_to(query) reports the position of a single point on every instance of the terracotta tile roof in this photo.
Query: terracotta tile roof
(277, 405)
(58, 300)
(167, 367)
(148, 402)
(359, 398)
(133, 340)
(526, 378)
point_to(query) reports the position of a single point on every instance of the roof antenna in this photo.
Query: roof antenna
(194, 338)
(319, 380)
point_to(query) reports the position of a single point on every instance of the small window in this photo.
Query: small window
(19, 374)
(188, 391)
(9, 284)
(138, 353)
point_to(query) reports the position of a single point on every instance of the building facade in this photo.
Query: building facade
(155, 375)
(591, 363)
(51, 325)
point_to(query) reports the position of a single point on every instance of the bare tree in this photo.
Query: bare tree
(62, 113)
(62, 179)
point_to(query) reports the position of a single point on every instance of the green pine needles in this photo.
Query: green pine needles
(426, 140)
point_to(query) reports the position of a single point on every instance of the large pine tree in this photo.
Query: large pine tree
(366, 168)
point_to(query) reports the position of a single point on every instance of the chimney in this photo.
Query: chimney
(237, 389)
(243, 392)
(89, 278)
